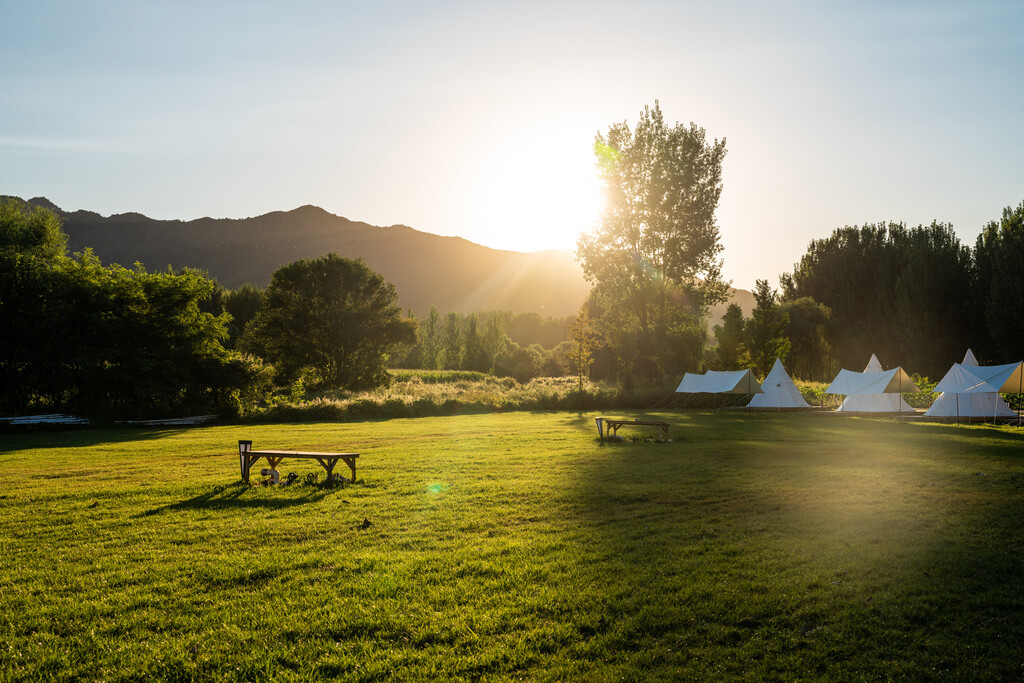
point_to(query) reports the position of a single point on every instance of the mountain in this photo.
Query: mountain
(450, 273)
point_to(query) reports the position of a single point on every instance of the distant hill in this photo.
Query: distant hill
(742, 297)
(450, 273)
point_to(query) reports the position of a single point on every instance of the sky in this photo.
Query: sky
(477, 119)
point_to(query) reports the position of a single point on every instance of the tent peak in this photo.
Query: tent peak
(873, 365)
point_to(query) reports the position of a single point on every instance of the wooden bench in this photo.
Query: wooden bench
(247, 457)
(610, 426)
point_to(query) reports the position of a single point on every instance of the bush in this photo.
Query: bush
(434, 393)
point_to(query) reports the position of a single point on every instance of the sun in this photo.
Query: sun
(535, 189)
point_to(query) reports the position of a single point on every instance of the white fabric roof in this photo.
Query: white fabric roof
(779, 391)
(874, 390)
(873, 365)
(983, 379)
(972, 404)
(719, 382)
(895, 381)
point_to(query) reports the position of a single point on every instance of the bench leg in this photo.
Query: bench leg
(351, 462)
(328, 464)
(247, 464)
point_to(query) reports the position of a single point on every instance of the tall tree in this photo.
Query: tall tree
(807, 329)
(476, 356)
(731, 339)
(495, 340)
(585, 341)
(765, 331)
(901, 293)
(430, 342)
(453, 346)
(654, 258)
(30, 231)
(999, 287)
(933, 301)
(335, 317)
(243, 304)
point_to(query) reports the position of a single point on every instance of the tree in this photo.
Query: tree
(730, 335)
(106, 342)
(811, 355)
(998, 285)
(585, 341)
(933, 301)
(476, 356)
(243, 304)
(34, 232)
(453, 346)
(332, 316)
(139, 343)
(430, 342)
(495, 340)
(898, 292)
(654, 258)
(520, 362)
(765, 331)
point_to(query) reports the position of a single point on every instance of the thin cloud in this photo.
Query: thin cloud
(85, 145)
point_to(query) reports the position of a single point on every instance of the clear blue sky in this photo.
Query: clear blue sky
(476, 118)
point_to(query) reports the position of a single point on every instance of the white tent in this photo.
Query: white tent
(718, 382)
(952, 403)
(873, 391)
(983, 379)
(779, 391)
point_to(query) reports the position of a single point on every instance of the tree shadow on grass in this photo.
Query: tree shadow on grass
(80, 438)
(233, 497)
(746, 553)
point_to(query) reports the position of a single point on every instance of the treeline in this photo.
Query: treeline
(916, 297)
(522, 346)
(503, 343)
(500, 343)
(119, 343)
(108, 341)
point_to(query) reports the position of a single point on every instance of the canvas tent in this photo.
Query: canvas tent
(952, 403)
(873, 391)
(778, 391)
(719, 382)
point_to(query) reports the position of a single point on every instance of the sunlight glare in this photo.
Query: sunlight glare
(536, 189)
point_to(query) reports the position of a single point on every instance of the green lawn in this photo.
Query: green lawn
(516, 546)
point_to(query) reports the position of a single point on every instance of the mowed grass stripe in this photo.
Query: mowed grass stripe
(516, 545)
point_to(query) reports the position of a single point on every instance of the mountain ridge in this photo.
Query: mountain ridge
(450, 273)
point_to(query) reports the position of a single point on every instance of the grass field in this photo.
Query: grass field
(516, 546)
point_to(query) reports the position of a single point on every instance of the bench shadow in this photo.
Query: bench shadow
(233, 497)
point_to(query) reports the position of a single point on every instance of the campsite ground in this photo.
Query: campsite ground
(517, 546)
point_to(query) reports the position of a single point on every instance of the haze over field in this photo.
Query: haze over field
(477, 120)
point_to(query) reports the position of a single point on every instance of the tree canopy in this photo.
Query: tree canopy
(334, 317)
(902, 293)
(654, 258)
(105, 341)
(999, 284)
